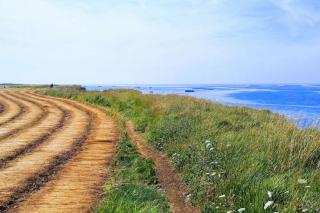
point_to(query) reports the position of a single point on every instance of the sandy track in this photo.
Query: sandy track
(59, 163)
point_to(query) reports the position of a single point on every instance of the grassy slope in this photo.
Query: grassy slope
(250, 152)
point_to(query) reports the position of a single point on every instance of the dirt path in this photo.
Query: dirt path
(57, 160)
(169, 180)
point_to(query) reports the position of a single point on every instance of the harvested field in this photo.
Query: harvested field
(54, 153)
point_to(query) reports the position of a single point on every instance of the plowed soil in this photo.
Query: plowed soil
(55, 153)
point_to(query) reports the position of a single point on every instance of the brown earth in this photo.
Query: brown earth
(54, 154)
(11, 109)
(169, 180)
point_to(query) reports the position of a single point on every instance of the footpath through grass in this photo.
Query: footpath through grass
(231, 158)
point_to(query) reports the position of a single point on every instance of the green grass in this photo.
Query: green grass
(132, 186)
(131, 167)
(247, 153)
(133, 198)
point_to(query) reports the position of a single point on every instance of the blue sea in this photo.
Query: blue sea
(300, 103)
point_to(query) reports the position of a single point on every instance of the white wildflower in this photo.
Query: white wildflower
(214, 163)
(207, 141)
(305, 210)
(209, 146)
(230, 211)
(211, 149)
(188, 197)
(268, 204)
(213, 173)
(269, 194)
(302, 181)
(241, 210)
(222, 196)
(308, 186)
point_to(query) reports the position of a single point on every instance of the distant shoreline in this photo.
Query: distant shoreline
(286, 99)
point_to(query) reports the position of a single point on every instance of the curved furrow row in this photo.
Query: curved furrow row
(34, 169)
(13, 109)
(35, 113)
(29, 139)
(78, 184)
(2, 108)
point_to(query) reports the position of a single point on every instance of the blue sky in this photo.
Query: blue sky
(160, 41)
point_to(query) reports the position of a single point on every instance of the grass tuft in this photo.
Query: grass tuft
(133, 198)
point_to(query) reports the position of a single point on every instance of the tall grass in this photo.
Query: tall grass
(231, 158)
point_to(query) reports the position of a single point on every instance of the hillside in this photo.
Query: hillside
(230, 158)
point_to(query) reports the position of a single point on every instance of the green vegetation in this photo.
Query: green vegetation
(230, 157)
(131, 167)
(132, 186)
(133, 198)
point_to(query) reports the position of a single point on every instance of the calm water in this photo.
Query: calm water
(301, 103)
